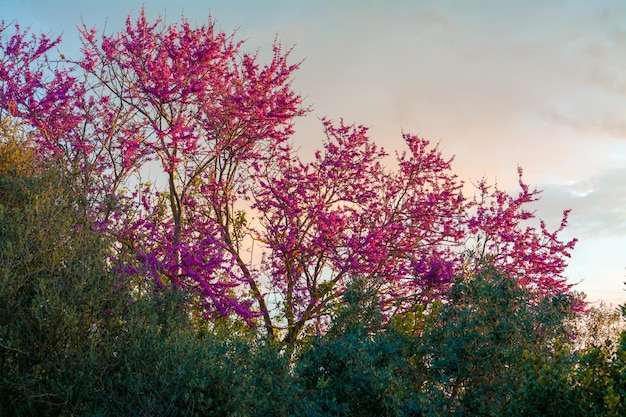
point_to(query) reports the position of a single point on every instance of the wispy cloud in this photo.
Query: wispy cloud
(598, 203)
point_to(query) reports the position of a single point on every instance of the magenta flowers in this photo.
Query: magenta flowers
(181, 143)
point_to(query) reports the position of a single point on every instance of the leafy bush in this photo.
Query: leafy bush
(57, 298)
(478, 345)
(358, 367)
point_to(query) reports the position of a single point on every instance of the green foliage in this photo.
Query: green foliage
(600, 377)
(178, 372)
(480, 341)
(56, 296)
(490, 350)
(357, 368)
(598, 386)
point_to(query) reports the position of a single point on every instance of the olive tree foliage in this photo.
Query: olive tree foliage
(57, 298)
(359, 367)
(492, 349)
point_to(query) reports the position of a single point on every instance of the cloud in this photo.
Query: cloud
(598, 204)
(602, 121)
(598, 220)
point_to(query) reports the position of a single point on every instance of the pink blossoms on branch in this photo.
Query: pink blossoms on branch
(180, 142)
(345, 215)
(536, 258)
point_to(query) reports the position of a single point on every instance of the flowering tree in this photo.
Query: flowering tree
(344, 214)
(211, 126)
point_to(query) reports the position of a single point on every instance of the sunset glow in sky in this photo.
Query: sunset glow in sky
(539, 84)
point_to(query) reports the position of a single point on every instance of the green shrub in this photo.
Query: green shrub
(480, 343)
(57, 298)
(358, 368)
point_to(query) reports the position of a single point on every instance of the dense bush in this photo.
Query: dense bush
(358, 367)
(479, 342)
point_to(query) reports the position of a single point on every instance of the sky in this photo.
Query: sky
(539, 84)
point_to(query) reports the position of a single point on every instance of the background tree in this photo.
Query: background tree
(598, 324)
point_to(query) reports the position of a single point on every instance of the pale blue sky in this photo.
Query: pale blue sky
(541, 84)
